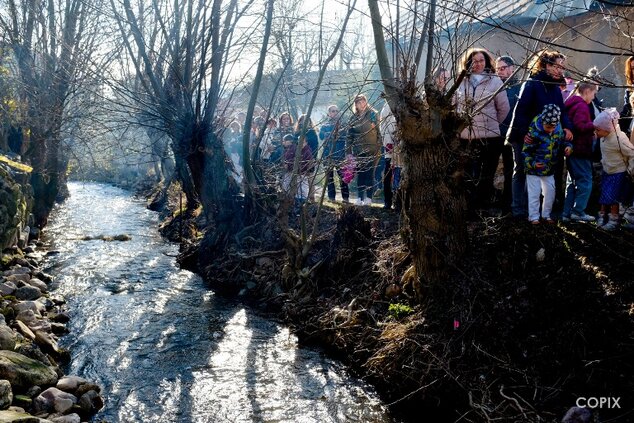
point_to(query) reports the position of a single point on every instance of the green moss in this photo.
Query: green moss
(7, 259)
(398, 310)
(15, 165)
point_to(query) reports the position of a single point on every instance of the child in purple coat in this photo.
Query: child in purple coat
(579, 164)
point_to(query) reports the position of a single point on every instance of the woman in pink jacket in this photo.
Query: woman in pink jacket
(482, 138)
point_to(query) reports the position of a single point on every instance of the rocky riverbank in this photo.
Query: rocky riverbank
(33, 387)
(32, 384)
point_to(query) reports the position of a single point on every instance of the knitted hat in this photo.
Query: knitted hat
(608, 120)
(551, 114)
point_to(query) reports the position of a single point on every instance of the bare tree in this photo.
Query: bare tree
(180, 60)
(52, 43)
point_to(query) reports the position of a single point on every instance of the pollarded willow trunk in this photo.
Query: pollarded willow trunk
(433, 184)
(219, 195)
(45, 176)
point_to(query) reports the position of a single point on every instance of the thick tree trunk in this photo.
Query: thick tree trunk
(187, 185)
(433, 185)
(219, 196)
(428, 130)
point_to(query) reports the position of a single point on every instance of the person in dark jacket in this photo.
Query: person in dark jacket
(579, 164)
(542, 88)
(625, 121)
(333, 138)
(310, 135)
(505, 67)
(364, 141)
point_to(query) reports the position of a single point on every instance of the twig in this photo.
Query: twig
(514, 400)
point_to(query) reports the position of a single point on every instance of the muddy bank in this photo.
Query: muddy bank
(531, 320)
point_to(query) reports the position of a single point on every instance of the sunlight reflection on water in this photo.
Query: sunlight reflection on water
(165, 348)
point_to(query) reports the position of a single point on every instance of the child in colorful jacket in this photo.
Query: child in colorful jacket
(541, 144)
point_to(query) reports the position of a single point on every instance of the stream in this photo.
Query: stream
(163, 346)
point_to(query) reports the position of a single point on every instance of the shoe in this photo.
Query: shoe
(331, 199)
(346, 200)
(611, 225)
(359, 202)
(550, 221)
(367, 202)
(628, 225)
(582, 217)
(534, 222)
(565, 219)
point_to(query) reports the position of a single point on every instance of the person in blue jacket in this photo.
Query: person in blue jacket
(333, 137)
(542, 88)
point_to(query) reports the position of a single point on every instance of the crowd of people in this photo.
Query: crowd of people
(549, 131)
(547, 124)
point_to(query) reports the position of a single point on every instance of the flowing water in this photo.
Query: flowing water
(163, 347)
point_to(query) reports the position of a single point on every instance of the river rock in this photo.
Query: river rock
(60, 317)
(6, 394)
(70, 418)
(15, 416)
(21, 277)
(47, 343)
(33, 391)
(33, 306)
(7, 288)
(31, 350)
(26, 263)
(23, 401)
(28, 292)
(44, 304)
(7, 338)
(57, 299)
(27, 317)
(54, 399)
(85, 387)
(90, 403)
(37, 256)
(43, 276)
(17, 270)
(24, 372)
(24, 330)
(41, 325)
(58, 328)
(71, 383)
(38, 284)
